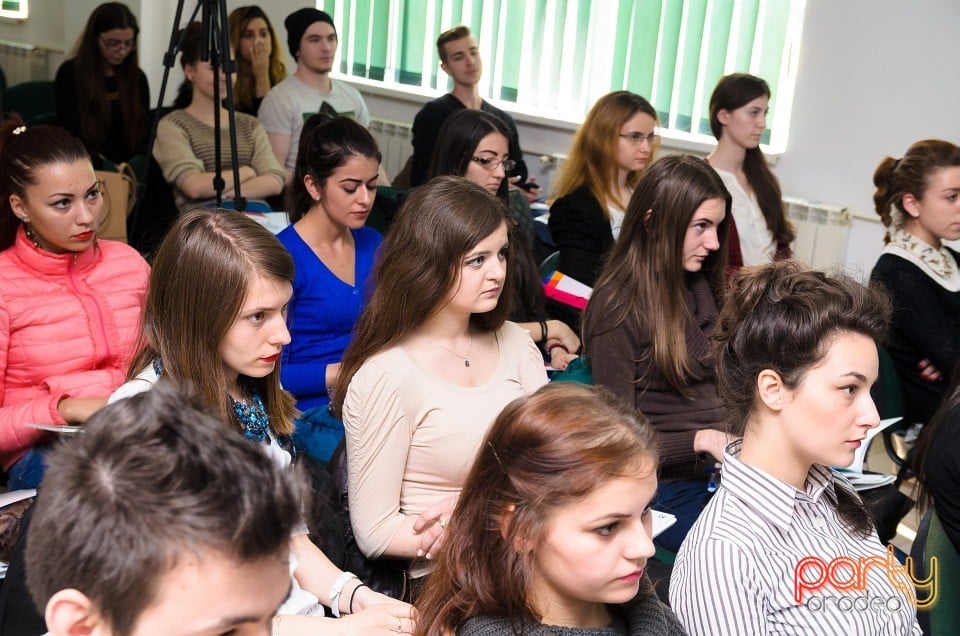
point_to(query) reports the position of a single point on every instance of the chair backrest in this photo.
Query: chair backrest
(33, 101)
(943, 617)
(888, 391)
(549, 264)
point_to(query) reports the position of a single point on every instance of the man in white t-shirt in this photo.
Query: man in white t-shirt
(312, 39)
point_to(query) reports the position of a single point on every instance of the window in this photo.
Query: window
(554, 58)
(16, 9)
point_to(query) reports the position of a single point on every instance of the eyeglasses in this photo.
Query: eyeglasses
(637, 138)
(118, 45)
(490, 163)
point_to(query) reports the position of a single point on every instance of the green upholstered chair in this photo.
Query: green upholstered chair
(943, 618)
(33, 101)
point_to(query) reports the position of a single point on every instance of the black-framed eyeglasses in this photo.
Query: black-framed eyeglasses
(118, 45)
(637, 138)
(491, 163)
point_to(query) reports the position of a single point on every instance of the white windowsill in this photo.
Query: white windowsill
(672, 141)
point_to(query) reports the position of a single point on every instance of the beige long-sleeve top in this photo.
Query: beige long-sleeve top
(411, 437)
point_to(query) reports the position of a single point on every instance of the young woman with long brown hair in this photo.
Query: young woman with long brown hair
(648, 324)
(102, 96)
(216, 319)
(553, 528)
(259, 57)
(616, 142)
(432, 362)
(796, 356)
(759, 229)
(475, 145)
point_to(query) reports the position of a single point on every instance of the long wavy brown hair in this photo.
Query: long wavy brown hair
(198, 283)
(644, 282)
(92, 104)
(419, 265)
(543, 452)
(592, 160)
(243, 93)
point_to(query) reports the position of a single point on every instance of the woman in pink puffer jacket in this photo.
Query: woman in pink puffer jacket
(70, 304)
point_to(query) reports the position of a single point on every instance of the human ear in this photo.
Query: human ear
(723, 116)
(771, 389)
(18, 207)
(911, 205)
(71, 613)
(313, 188)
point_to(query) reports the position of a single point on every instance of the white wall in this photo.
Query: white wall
(874, 76)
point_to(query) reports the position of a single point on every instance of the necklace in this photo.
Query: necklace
(253, 418)
(32, 236)
(465, 358)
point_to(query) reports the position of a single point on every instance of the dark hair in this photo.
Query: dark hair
(21, 155)
(92, 104)
(592, 160)
(732, 92)
(243, 90)
(326, 143)
(198, 283)
(419, 263)
(451, 35)
(910, 175)
(191, 52)
(151, 478)
(784, 317)
(644, 279)
(945, 416)
(542, 453)
(456, 146)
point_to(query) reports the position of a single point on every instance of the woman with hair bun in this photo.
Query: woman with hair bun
(553, 529)
(918, 198)
(796, 356)
(70, 304)
(759, 229)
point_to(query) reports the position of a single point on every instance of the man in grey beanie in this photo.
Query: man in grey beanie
(312, 40)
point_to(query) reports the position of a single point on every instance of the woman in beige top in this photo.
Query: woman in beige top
(432, 363)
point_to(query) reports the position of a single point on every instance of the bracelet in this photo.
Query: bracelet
(543, 331)
(354, 593)
(336, 589)
(556, 345)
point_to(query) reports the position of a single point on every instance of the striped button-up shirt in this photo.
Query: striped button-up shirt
(761, 560)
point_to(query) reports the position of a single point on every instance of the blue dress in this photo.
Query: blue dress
(322, 314)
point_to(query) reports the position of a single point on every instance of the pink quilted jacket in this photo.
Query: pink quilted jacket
(69, 326)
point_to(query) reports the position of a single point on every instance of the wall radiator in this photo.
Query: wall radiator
(25, 62)
(822, 231)
(394, 139)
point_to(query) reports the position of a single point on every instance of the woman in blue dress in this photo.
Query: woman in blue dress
(329, 200)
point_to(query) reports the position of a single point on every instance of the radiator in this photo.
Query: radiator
(822, 231)
(394, 139)
(24, 62)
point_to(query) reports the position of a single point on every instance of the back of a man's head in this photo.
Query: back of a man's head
(152, 481)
